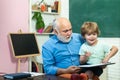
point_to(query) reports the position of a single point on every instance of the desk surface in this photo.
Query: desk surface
(41, 77)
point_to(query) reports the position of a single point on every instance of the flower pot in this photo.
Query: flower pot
(40, 30)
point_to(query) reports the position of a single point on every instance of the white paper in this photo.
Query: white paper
(35, 73)
(95, 65)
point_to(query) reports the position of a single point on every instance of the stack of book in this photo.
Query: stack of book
(15, 76)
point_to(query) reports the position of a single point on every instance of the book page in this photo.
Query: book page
(95, 65)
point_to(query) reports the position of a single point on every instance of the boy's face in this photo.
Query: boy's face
(91, 38)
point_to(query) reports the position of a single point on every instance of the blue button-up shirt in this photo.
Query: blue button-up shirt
(57, 54)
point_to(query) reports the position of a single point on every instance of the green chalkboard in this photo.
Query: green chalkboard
(105, 12)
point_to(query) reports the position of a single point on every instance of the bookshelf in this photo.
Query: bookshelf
(49, 12)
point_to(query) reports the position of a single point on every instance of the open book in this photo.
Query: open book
(95, 65)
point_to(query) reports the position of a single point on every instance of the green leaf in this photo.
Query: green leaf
(39, 20)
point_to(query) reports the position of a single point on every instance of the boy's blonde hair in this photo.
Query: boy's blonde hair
(89, 28)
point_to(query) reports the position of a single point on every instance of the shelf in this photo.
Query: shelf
(52, 13)
(44, 33)
(48, 15)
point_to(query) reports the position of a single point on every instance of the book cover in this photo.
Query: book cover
(17, 75)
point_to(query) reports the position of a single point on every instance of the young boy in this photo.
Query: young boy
(94, 51)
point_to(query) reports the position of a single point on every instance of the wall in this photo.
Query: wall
(112, 71)
(13, 16)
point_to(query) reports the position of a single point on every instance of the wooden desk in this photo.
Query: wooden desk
(41, 77)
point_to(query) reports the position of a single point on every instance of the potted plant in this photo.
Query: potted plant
(39, 21)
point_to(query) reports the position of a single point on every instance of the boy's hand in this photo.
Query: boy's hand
(87, 54)
(104, 61)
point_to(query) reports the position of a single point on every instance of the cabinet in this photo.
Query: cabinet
(49, 9)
